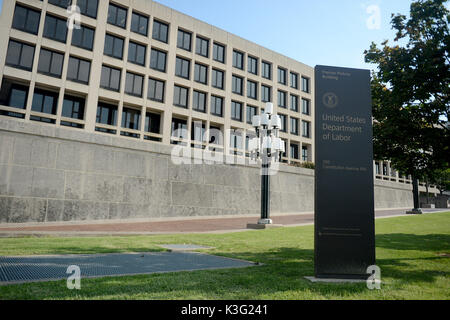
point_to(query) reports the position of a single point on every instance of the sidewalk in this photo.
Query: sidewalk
(191, 225)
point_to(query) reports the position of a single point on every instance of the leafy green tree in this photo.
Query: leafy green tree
(411, 91)
(441, 178)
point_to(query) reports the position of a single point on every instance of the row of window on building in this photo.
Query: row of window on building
(21, 55)
(118, 15)
(214, 136)
(384, 171)
(55, 28)
(45, 102)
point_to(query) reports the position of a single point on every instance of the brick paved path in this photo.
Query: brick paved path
(172, 226)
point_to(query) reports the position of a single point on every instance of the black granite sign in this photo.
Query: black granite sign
(344, 192)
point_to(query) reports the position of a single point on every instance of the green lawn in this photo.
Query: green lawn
(412, 252)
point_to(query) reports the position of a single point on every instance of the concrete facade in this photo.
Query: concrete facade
(93, 94)
(50, 174)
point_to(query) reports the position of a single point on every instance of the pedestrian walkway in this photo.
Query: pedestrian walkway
(192, 225)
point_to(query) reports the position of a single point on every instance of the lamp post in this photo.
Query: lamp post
(266, 147)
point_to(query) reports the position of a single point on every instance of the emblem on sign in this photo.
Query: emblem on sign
(330, 100)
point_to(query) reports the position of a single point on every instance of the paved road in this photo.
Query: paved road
(173, 226)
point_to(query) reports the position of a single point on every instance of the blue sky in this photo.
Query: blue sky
(329, 32)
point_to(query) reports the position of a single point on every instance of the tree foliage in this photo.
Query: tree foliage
(411, 90)
(441, 179)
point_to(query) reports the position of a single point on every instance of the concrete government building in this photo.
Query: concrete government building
(89, 116)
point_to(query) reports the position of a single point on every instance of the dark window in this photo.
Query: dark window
(152, 122)
(282, 75)
(266, 93)
(305, 84)
(199, 103)
(114, 46)
(294, 103)
(251, 111)
(88, 7)
(180, 97)
(156, 90)
(198, 131)
(83, 37)
(248, 136)
(252, 89)
(252, 65)
(294, 126)
(26, 19)
(160, 31)
(283, 122)
(13, 95)
(216, 106)
(182, 68)
(20, 55)
(184, 40)
(106, 114)
(236, 111)
(377, 168)
(117, 16)
(158, 60)
(215, 135)
(202, 47)
(179, 128)
(236, 139)
(201, 73)
(294, 80)
(55, 28)
(50, 63)
(136, 53)
(217, 78)
(284, 154)
(282, 99)
(73, 107)
(238, 60)
(305, 153)
(131, 118)
(110, 78)
(294, 151)
(134, 84)
(45, 101)
(139, 24)
(219, 52)
(237, 85)
(61, 3)
(305, 106)
(267, 70)
(79, 70)
(306, 129)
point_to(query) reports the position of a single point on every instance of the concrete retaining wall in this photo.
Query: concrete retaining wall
(393, 195)
(50, 174)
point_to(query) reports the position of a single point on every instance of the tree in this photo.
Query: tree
(441, 178)
(411, 92)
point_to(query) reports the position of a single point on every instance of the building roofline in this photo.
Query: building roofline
(232, 34)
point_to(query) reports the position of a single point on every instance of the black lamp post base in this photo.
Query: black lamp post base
(415, 211)
(259, 226)
(265, 221)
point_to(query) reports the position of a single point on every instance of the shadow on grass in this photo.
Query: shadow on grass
(402, 241)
